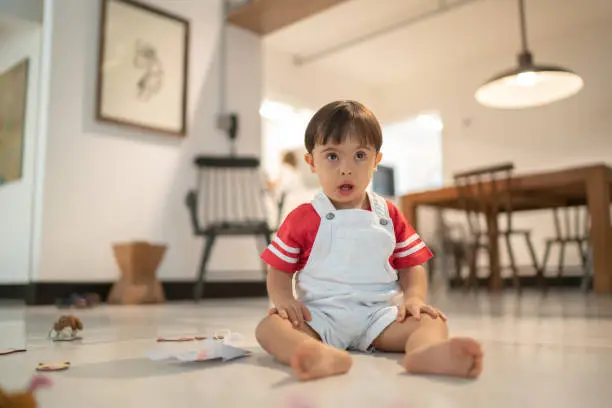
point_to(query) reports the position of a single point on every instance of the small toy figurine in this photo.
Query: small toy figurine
(24, 399)
(66, 328)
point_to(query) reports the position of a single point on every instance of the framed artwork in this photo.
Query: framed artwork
(13, 99)
(142, 67)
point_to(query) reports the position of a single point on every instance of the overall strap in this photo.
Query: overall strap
(379, 206)
(322, 204)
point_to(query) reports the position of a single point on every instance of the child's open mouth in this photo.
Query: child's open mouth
(345, 189)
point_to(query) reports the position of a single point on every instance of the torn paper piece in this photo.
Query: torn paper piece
(4, 352)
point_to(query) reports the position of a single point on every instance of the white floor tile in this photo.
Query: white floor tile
(553, 351)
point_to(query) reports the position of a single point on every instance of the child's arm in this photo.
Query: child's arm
(410, 254)
(280, 286)
(280, 290)
(413, 282)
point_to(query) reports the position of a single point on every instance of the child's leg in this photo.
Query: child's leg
(301, 349)
(428, 348)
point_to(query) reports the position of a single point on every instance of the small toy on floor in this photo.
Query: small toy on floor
(24, 399)
(66, 328)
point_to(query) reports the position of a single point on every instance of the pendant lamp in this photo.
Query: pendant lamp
(529, 84)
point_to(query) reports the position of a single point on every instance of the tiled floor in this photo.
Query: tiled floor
(553, 351)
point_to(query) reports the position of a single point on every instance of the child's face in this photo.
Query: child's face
(344, 171)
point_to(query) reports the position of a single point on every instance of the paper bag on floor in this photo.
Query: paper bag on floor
(206, 350)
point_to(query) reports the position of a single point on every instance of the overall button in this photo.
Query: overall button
(330, 216)
(383, 221)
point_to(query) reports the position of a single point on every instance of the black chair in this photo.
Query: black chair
(229, 201)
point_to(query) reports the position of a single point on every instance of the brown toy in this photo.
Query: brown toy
(68, 321)
(66, 328)
(24, 399)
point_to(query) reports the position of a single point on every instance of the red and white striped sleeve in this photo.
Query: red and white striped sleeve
(410, 249)
(284, 251)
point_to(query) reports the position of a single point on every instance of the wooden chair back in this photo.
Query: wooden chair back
(485, 190)
(571, 222)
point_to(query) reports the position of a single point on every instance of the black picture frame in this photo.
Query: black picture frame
(143, 67)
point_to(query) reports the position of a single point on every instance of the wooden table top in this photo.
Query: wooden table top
(567, 186)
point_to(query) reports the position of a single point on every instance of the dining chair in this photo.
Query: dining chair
(229, 201)
(485, 193)
(571, 229)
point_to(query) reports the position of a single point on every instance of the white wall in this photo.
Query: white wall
(573, 132)
(413, 147)
(107, 184)
(16, 197)
(304, 89)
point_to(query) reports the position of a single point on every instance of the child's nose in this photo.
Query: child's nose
(346, 172)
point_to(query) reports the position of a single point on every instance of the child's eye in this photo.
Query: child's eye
(332, 156)
(360, 155)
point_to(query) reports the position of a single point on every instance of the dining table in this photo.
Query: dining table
(589, 185)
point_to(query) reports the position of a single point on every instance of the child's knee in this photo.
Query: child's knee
(428, 321)
(267, 324)
(262, 327)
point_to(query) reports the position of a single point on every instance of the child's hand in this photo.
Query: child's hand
(292, 310)
(414, 306)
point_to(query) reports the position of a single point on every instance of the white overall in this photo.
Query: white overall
(347, 283)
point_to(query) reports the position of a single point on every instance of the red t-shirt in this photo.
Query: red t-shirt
(290, 249)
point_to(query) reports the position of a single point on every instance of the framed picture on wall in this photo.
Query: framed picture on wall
(142, 67)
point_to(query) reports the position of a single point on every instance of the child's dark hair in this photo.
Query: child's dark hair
(340, 120)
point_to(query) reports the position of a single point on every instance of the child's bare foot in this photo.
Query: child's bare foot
(316, 360)
(460, 357)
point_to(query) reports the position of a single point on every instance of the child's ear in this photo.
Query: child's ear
(378, 159)
(310, 161)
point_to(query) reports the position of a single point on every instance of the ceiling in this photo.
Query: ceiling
(467, 32)
(266, 16)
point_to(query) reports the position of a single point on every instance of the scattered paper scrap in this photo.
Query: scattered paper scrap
(215, 337)
(218, 335)
(59, 366)
(181, 339)
(4, 352)
(174, 339)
